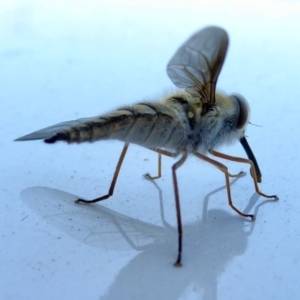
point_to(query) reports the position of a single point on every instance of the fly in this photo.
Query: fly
(195, 120)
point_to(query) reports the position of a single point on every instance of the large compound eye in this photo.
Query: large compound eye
(244, 111)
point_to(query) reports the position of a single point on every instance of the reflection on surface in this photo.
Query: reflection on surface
(209, 245)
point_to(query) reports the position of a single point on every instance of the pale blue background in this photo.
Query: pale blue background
(61, 60)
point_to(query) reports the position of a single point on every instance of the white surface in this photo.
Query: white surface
(79, 59)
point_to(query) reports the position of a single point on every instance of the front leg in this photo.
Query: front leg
(253, 172)
(224, 169)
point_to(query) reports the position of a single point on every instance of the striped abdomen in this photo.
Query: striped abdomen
(145, 124)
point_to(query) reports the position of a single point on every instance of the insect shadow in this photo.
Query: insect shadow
(213, 242)
(191, 122)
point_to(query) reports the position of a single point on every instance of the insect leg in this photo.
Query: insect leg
(113, 182)
(160, 152)
(149, 177)
(224, 169)
(253, 172)
(240, 174)
(178, 164)
(164, 152)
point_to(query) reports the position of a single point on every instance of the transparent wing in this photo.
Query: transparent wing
(197, 63)
(93, 225)
(50, 131)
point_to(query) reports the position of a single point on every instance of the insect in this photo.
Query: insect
(195, 121)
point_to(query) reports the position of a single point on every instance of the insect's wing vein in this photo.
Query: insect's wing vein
(197, 63)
